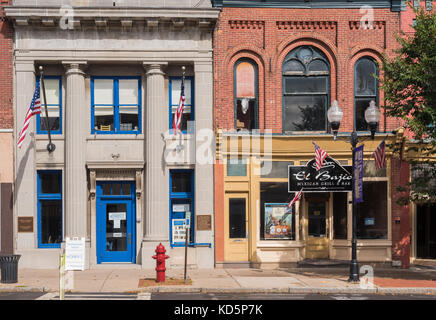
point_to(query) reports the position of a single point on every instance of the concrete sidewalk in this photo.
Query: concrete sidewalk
(107, 279)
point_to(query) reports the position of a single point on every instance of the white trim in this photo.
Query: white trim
(6, 130)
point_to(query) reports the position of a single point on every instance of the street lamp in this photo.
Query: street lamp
(372, 117)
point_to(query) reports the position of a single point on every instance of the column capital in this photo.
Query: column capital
(75, 67)
(154, 67)
(25, 66)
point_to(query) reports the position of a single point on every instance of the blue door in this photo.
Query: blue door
(116, 222)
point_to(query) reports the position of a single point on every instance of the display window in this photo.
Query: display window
(277, 223)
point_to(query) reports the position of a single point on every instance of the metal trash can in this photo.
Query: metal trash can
(9, 267)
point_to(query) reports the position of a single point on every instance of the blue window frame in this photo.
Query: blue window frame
(53, 90)
(181, 201)
(116, 105)
(174, 98)
(49, 198)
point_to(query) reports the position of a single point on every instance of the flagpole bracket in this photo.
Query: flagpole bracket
(51, 147)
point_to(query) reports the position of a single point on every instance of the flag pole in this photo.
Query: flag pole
(180, 146)
(50, 147)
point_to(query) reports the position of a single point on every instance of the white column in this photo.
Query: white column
(25, 171)
(205, 155)
(156, 177)
(75, 151)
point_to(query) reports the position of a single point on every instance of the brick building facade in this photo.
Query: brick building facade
(278, 40)
(6, 132)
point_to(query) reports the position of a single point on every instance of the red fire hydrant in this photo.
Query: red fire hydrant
(160, 257)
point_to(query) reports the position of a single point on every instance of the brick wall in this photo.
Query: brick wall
(6, 78)
(400, 173)
(266, 35)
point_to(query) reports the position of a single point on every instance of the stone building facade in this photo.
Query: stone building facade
(119, 177)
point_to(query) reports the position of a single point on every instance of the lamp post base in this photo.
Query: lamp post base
(354, 272)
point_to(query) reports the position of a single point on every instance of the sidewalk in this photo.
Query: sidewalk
(296, 280)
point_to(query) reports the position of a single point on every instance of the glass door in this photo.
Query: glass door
(115, 226)
(236, 228)
(317, 244)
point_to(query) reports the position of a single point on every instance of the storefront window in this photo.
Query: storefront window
(372, 213)
(278, 169)
(340, 215)
(236, 168)
(276, 222)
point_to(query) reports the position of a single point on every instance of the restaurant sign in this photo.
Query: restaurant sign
(331, 177)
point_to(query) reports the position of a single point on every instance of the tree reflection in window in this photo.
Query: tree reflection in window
(365, 90)
(306, 79)
(245, 75)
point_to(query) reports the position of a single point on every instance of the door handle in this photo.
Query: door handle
(130, 238)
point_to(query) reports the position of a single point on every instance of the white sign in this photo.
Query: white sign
(117, 216)
(179, 231)
(117, 224)
(118, 235)
(75, 254)
(180, 207)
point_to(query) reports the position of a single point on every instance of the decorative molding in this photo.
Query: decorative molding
(125, 18)
(306, 25)
(246, 24)
(138, 184)
(366, 25)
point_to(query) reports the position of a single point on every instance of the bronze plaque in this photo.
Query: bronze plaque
(204, 222)
(25, 224)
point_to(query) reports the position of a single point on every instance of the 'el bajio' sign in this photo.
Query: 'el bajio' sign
(331, 177)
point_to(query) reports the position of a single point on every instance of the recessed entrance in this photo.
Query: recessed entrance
(115, 222)
(317, 245)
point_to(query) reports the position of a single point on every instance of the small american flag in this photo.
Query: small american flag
(35, 108)
(320, 156)
(296, 198)
(177, 120)
(380, 156)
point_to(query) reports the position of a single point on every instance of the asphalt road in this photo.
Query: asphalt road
(209, 296)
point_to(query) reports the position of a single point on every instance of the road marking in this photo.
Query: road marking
(144, 296)
(96, 296)
(47, 296)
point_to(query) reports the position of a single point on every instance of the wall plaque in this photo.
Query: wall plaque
(25, 224)
(204, 222)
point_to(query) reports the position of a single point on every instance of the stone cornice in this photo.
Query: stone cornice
(102, 17)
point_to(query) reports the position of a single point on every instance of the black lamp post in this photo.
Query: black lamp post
(372, 117)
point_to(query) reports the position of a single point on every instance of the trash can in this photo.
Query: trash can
(9, 267)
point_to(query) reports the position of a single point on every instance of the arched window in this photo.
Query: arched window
(246, 95)
(365, 90)
(306, 85)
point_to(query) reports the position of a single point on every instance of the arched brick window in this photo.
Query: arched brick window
(246, 95)
(365, 90)
(306, 87)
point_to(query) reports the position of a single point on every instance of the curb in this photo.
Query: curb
(420, 291)
(23, 289)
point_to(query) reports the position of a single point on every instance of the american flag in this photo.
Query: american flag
(177, 120)
(35, 108)
(380, 156)
(296, 198)
(320, 156)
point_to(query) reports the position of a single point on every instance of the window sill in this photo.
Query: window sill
(171, 136)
